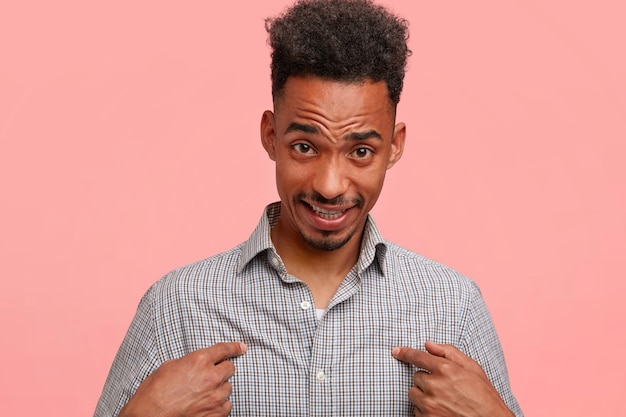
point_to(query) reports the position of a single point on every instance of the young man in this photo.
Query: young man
(316, 314)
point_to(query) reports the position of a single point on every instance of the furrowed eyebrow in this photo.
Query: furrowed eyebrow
(364, 135)
(299, 127)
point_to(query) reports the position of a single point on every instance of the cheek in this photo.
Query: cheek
(290, 166)
(289, 177)
(371, 181)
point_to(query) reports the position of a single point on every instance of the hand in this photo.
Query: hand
(192, 386)
(450, 384)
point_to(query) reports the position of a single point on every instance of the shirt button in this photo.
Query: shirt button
(305, 305)
(321, 376)
(275, 261)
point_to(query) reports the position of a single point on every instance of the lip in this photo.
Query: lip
(327, 218)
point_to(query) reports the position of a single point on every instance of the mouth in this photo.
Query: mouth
(327, 214)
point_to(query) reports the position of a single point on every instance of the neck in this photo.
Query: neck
(322, 271)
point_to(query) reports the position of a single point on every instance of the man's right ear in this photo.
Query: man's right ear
(268, 134)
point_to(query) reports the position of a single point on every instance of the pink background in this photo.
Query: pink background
(129, 146)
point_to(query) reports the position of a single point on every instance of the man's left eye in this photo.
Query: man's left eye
(362, 153)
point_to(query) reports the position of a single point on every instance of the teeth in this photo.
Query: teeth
(327, 214)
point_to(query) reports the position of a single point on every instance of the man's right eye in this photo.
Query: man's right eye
(303, 148)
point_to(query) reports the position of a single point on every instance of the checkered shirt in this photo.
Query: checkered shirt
(297, 365)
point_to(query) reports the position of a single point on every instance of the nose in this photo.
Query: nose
(331, 178)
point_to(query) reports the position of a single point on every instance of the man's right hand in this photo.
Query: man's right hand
(192, 386)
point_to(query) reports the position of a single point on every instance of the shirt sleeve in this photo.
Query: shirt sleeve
(136, 358)
(481, 343)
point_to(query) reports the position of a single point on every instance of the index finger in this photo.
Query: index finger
(219, 352)
(415, 357)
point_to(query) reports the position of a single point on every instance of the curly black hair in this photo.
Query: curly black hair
(343, 40)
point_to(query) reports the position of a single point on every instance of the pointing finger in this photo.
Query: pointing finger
(415, 357)
(222, 351)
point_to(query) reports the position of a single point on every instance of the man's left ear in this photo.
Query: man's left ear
(397, 144)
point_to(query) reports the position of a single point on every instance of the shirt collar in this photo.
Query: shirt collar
(373, 246)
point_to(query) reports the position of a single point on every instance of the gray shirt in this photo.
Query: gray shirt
(297, 365)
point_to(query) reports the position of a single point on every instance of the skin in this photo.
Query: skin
(450, 384)
(195, 385)
(332, 143)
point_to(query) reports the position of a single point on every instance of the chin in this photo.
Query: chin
(327, 243)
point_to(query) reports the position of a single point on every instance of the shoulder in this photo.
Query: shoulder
(212, 274)
(426, 275)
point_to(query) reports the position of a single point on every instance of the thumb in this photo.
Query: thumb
(455, 356)
(447, 351)
(436, 349)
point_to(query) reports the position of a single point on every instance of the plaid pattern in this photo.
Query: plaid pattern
(297, 365)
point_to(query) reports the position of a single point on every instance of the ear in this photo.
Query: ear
(397, 144)
(268, 134)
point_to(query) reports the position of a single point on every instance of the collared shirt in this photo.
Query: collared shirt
(297, 365)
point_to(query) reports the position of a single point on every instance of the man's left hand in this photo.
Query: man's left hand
(450, 384)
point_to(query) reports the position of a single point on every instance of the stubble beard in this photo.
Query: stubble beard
(327, 242)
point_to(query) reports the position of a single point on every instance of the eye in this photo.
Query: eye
(362, 153)
(303, 148)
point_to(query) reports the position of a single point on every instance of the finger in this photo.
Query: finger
(437, 349)
(225, 370)
(420, 380)
(221, 395)
(415, 397)
(454, 355)
(226, 390)
(228, 406)
(449, 352)
(415, 357)
(229, 388)
(222, 351)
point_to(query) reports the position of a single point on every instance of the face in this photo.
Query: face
(332, 143)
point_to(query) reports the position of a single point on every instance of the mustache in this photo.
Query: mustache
(335, 201)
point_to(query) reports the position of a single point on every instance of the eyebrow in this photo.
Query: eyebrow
(364, 135)
(299, 127)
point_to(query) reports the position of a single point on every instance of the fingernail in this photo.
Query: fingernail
(244, 348)
(395, 351)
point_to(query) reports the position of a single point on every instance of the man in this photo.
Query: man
(316, 314)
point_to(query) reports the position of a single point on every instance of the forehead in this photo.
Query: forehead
(334, 100)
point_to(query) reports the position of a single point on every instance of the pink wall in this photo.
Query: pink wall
(129, 146)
